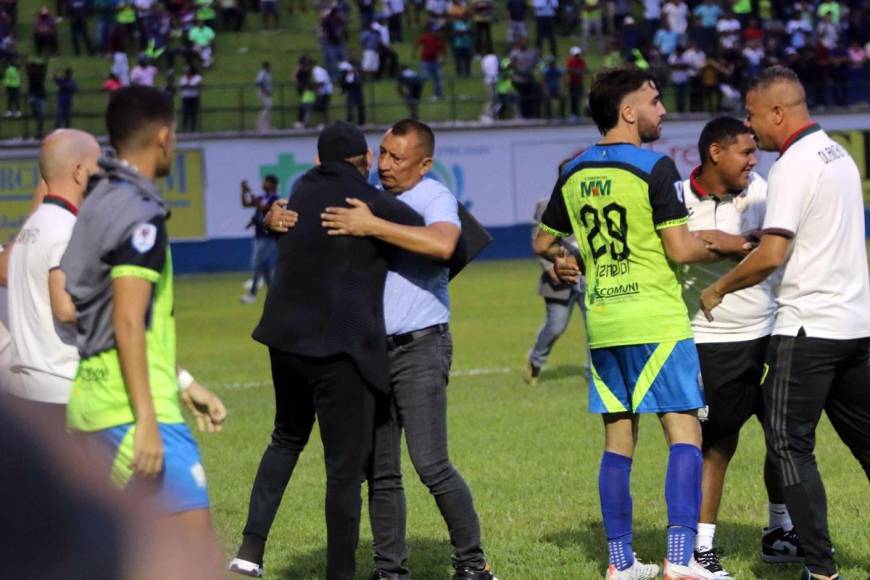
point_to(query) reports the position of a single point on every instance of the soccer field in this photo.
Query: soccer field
(530, 454)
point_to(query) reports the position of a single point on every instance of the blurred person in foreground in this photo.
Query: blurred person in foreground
(124, 403)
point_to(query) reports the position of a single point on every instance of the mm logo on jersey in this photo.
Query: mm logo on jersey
(595, 188)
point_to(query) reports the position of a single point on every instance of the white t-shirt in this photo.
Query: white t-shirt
(747, 314)
(190, 85)
(143, 75)
(815, 197)
(489, 68)
(46, 357)
(6, 349)
(677, 16)
(321, 78)
(652, 9)
(729, 32)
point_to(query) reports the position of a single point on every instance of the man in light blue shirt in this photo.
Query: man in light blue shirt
(416, 311)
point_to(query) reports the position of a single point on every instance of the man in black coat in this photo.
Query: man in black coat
(323, 322)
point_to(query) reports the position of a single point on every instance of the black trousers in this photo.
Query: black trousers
(807, 376)
(419, 373)
(332, 390)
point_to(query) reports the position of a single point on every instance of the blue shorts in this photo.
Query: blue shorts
(646, 378)
(179, 488)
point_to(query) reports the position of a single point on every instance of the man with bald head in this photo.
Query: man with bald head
(819, 354)
(41, 312)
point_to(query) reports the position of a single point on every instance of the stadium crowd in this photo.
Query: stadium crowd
(701, 51)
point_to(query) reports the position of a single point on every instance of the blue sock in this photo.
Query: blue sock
(683, 496)
(614, 489)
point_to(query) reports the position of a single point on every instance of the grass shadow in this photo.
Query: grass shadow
(735, 541)
(427, 558)
(559, 372)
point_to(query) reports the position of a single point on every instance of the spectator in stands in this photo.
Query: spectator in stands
(112, 84)
(263, 83)
(45, 32)
(144, 73)
(460, 40)
(124, 30)
(351, 81)
(857, 73)
(666, 40)
(457, 10)
(652, 17)
(517, 13)
(709, 14)
(676, 15)
(436, 12)
(370, 40)
(545, 24)
(593, 23)
(333, 28)
(366, 13)
(105, 20)
(694, 59)
(575, 73)
(489, 69)
(631, 37)
(728, 28)
(551, 83)
(36, 73)
(506, 97)
(12, 85)
(828, 32)
(202, 37)
(302, 77)
(77, 11)
(10, 7)
(66, 88)
(754, 55)
(121, 67)
(799, 31)
(265, 250)
(483, 11)
(321, 83)
(679, 69)
(143, 10)
(431, 48)
(269, 14)
(615, 15)
(394, 11)
(410, 86)
(389, 61)
(205, 12)
(232, 15)
(190, 86)
(523, 65)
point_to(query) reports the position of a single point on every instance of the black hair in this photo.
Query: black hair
(772, 75)
(272, 178)
(422, 130)
(721, 130)
(609, 87)
(134, 109)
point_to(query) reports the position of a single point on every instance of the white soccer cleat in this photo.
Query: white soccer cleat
(245, 568)
(637, 571)
(247, 298)
(694, 571)
(709, 560)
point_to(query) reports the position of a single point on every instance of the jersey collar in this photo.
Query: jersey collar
(59, 201)
(807, 129)
(697, 188)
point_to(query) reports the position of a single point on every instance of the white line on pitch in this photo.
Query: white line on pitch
(457, 373)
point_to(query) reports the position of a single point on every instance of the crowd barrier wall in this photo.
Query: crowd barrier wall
(498, 173)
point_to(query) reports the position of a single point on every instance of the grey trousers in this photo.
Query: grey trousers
(419, 372)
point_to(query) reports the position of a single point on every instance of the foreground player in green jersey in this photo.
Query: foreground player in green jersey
(625, 207)
(118, 267)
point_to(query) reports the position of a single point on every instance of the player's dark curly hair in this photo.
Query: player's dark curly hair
(721, 130)
(135, 108)
(609, 87)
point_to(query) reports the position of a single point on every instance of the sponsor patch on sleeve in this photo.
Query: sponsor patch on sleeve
(144, 237)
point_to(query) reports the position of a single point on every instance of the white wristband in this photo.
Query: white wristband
(185, 379)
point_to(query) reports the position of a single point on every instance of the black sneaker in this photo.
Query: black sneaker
(780, 547)
(466, 573)
(531, 374)
(709, 561)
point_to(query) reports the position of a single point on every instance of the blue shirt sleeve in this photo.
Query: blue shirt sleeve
(442, 208)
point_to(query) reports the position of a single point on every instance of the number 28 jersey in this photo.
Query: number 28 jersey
(615, 199)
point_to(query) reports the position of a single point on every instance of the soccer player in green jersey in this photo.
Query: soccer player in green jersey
(624, 204)
(118, 270)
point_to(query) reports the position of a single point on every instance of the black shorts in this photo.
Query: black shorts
(731, 373)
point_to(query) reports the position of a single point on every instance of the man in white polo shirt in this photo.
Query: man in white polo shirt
(725, 193)
(40, 311)
(819, 354)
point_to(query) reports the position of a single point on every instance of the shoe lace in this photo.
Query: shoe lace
(709, 560)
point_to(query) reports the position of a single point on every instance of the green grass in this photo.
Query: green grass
(530, 454)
